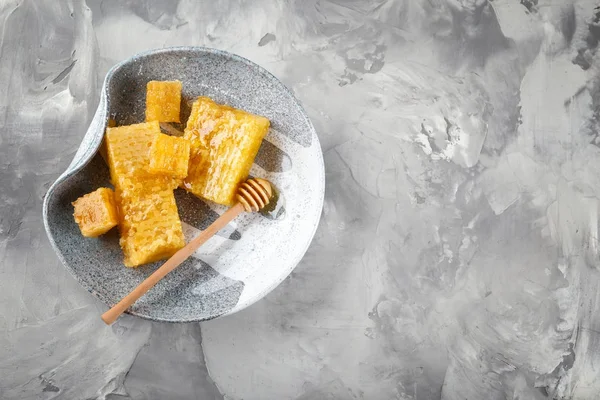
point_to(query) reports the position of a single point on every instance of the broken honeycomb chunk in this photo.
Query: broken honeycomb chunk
(163, 100)
(128, 150)
(224, 142)
(169, 156)
(95, 212)
(150, 227)
(148, 220)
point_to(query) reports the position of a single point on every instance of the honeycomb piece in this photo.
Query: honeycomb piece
(95, 212)
(148, 220)
(163, 100)
(150, 227)
(224, 142)
(127, 148)
(169, 156)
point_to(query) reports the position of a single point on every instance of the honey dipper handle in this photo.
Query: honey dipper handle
(111, 315)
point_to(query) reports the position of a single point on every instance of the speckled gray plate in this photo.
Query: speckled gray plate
(246, 260)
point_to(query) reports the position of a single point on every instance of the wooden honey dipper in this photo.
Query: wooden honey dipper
(252, 196)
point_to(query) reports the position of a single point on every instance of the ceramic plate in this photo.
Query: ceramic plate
(247, 259)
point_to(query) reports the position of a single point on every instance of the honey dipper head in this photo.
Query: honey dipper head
(254, 194)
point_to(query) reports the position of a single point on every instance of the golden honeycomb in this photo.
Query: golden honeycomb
(95, 212)
(224, 142)
(148, 220)
(169, 156)
(163, 100)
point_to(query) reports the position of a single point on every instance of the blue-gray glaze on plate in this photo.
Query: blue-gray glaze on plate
(244, 255)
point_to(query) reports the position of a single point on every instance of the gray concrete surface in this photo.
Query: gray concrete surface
(457, 256)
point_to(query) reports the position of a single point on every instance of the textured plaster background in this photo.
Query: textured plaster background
(457, 256)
